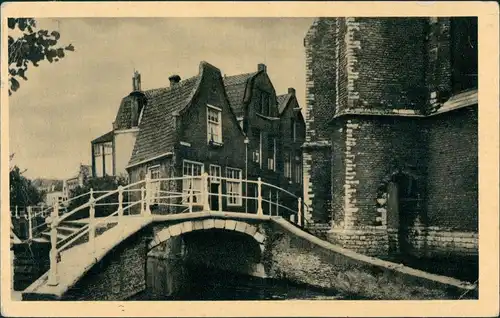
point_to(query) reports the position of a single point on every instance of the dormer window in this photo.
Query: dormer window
(140, 116)
(136, 106)
(214, 125)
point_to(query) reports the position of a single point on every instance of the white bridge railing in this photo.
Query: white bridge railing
(105, 209)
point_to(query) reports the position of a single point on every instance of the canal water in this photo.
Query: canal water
(208, 284)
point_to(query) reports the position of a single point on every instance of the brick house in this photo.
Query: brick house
(200, 124)
(187, 129)
(231, 126)
(392, 112)
(274, 126)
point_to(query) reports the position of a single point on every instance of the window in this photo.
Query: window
(240, 122)
(108, 148)
(264, 103)
(271, 150)
(293, 129)
(214, 125)
(256, 154)
(97, 150)
(154, 173)
(288, 166)
(298, 170)
(215, 172)
(192, 169)
(233, 185)
(141, 113)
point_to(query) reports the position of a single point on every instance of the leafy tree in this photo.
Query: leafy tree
(96, 184)
(30, 45)
(22, 191)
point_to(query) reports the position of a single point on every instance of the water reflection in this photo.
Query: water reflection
(209, 284)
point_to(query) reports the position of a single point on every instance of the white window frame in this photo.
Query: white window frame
(218, 124)
(186, 183)
(260, 149)
(107, 148)
(288, 166)
(140, 116)
(234, 187)
(217, 175)
(271, 162)
(298, 175)
(153, 174)
(98, 150)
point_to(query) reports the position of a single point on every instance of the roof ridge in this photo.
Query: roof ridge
(166, 88)
(239, 74)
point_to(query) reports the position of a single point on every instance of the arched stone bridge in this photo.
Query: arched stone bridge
(117, 256)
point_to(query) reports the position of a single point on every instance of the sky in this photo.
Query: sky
(64, 105)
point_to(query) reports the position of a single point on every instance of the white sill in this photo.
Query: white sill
(229, 204)
(215, 144)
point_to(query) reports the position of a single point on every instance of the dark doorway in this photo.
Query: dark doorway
(214, 197)
(402, 204)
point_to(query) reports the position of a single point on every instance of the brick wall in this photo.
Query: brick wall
(452, 170)
(337, 174)
(400, 67)
(376, 147)
(193, 128)
(139, 172)
(382, 54)
(119, 275)
(318, 168)
(320, 46)
(434, 241)
(302, 258)
(438, 60)
(435, 151)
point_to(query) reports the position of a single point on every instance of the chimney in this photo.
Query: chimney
(136, 81)
(262, 67)
(291, 90)
(174, 79)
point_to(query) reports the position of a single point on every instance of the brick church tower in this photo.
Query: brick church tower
(391, 139)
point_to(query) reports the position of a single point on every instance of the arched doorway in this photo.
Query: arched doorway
(403, 201)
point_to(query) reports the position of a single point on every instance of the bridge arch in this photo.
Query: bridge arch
(209, 224)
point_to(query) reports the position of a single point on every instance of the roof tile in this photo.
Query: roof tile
(156, 130)
(282, 101)
(235, 89)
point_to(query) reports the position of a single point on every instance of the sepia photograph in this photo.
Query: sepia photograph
(179, 159)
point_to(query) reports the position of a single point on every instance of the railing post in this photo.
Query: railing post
(147, 209)
(17, 213)
(299, 213)
(277, 202)
(205, 191)
(143, 200)
(270, 201)
(190, 198)
(30, 223)
(120, 203)
(220, 195)
(52, 220)
(92, 222)
(259, 196)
